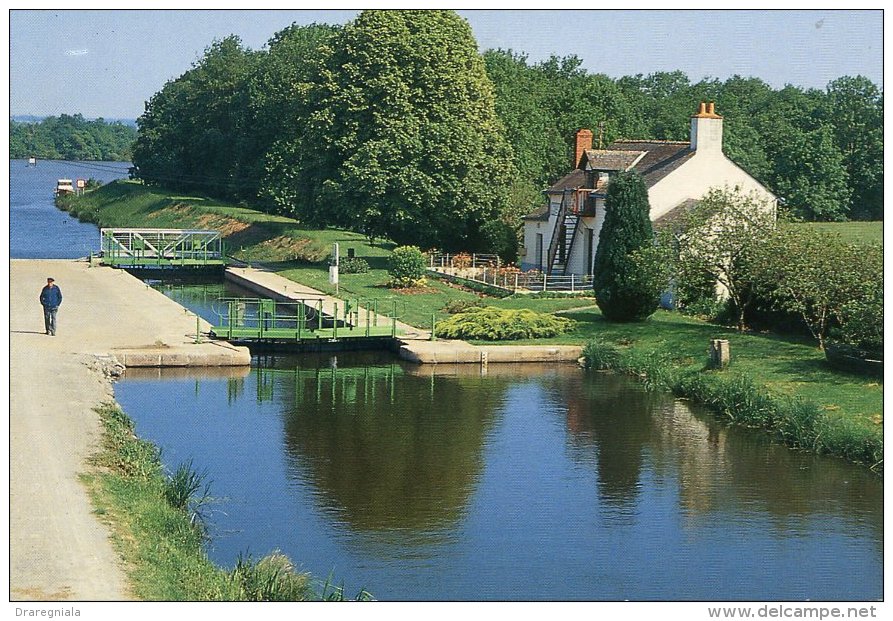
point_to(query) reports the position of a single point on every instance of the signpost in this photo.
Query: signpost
(333, 268)
(81, 184)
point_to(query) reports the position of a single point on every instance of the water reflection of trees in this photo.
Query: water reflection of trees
(386, 451)
(719, 470)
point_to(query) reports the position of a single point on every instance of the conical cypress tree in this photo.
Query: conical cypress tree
(619, 289)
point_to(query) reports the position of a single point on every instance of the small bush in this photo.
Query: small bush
(353, 265)
(457, 306)
(495, 324)
(600, 355)
(271, 579)
(407, 267)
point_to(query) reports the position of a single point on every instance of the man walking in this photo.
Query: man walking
(50, 299)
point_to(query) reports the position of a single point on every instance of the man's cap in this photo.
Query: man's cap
(51, 280)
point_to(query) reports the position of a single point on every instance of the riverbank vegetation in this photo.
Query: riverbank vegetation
(158, 528)
(787, 365)
(72, 137)
(794, 417)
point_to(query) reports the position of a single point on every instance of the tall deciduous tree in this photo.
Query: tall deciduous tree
(403, 140)
(192, 133)
(621, 290)
(279, 101)
(855, 112)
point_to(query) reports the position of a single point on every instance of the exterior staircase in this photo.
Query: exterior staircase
(563, 237)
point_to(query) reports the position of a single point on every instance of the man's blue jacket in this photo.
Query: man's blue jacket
(51, 297)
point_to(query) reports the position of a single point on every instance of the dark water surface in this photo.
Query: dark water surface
(529, 483)
(37, 229)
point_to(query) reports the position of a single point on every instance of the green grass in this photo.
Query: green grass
(860, 232)
(786, 367)
(738, 398)
(154, 528)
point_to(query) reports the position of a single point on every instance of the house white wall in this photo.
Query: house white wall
(708, 168)
(696, 177)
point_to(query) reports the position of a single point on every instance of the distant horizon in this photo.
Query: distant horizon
(115, 60)
(24, 118)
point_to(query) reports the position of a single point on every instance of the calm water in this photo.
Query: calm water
(37, 229)
(532, 483)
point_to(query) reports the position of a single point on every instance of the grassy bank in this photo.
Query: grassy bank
(748, 393)
(157, 526)
(783, 367)
(282, 245)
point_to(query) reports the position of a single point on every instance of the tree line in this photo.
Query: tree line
(395, 125)
(72, 137)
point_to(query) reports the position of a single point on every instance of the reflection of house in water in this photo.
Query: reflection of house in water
(696, 450)
(631, 437)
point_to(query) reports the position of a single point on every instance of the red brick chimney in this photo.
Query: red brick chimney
(583, 143)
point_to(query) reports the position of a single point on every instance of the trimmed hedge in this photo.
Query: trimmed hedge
(497, 324)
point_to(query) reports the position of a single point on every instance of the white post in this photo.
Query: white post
(545, 276)
(572, 283)
(516, 281)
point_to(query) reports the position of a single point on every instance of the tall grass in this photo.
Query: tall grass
(737, 399)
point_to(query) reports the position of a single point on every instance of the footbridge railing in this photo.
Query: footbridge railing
(246, 319)
(137, 248)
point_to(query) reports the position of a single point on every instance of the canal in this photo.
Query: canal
(521, 483)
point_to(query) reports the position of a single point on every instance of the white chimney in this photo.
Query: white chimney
(706, 129)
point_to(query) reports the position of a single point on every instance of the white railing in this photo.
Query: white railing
(514, 280)
(462, 260)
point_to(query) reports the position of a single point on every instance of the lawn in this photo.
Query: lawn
(859, 232)
(784, 365)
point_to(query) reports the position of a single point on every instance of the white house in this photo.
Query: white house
(562, 236)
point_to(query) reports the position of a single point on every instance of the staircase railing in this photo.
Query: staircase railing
(556, 232)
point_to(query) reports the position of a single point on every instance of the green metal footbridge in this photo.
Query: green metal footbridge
(161, 248)
(309, 321)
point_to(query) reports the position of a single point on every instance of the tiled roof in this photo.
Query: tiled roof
(610, 159)
(540, 214)
(574, 179)
(661, 157)
(673, 219)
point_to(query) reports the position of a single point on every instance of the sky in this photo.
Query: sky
(108, 63)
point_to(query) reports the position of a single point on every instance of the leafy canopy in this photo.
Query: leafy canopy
(403, 140)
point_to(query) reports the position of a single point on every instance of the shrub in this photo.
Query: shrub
(272, 578)
(495, 324)
(862, 318)
(600, 355)
(353, 265)
(458, 306)
(407, 267)
(461, 261)
(624, 284)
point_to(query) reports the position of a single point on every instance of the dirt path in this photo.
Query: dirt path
(59, 550)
